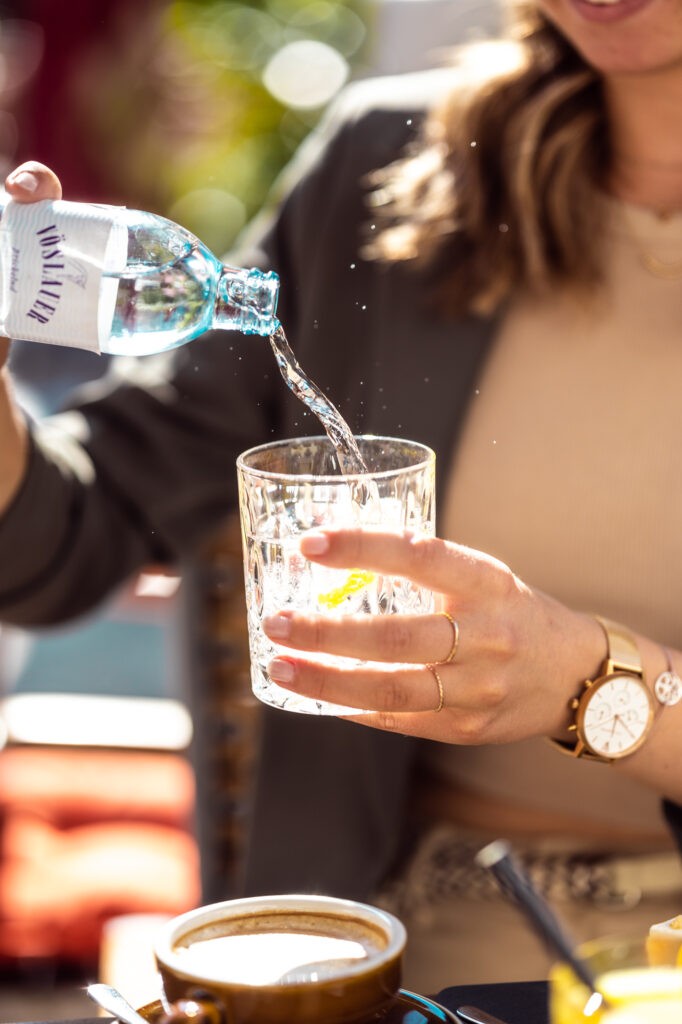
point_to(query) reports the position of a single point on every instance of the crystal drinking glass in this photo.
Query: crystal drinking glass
(289, 487)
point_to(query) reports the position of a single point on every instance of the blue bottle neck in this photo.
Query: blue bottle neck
(246, 301)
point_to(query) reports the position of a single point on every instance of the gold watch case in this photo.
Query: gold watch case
(613, 716)
(613, 713)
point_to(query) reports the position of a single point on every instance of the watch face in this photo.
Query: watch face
(616, 715)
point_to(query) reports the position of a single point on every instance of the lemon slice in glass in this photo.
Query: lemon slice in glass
(357, 579)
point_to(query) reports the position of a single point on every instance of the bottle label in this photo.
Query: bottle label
(52, 258)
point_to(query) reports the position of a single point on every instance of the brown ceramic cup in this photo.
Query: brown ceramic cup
(277, 959)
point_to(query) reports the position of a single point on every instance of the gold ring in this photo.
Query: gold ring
(439, 683)
(455, 640)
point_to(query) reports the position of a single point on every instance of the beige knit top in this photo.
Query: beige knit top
(570, 471)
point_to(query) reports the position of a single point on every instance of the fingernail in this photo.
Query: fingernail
(277, 626)
(314, 544)
(25, 180)
(281, 671)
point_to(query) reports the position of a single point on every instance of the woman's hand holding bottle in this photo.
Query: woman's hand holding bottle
(29, 183)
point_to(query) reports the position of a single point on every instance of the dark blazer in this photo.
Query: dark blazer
(142, 468)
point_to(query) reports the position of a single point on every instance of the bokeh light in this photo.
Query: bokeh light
(188, 108)
(213, 214)
(305, 74)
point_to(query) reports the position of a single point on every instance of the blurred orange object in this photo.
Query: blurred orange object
(87, 835)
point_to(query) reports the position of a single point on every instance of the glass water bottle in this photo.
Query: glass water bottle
(121, 281)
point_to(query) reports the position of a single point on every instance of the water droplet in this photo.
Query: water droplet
(503, 228)
(473, 144)
(352, 266)
(409, 121)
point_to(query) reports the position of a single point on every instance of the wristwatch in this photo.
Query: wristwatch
(614, 713)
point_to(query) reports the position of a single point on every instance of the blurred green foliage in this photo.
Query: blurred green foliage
(187, 108)
(229, 134)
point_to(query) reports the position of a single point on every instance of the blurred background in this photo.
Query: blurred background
(188, 108)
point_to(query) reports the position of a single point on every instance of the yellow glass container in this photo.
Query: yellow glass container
(636, 990)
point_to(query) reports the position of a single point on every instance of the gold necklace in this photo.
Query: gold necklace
(664, 270)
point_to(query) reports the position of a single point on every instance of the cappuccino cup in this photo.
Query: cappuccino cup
(277, 959)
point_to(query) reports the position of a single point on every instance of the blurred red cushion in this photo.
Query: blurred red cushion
(73, 786)
(85, 836)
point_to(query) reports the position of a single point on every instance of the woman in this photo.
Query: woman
(518, 256)
(543, 190)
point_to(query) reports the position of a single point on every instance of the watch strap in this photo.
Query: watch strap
(577, 749)
(622, 651)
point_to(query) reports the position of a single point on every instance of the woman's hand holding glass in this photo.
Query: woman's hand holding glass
(519, 660)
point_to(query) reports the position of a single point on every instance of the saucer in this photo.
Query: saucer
(407, 1008)
(410, 1008)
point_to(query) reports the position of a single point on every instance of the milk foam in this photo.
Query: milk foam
(268, 958)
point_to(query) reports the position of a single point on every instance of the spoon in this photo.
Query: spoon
(496, 858)
(473, 1015)
(111, 1000)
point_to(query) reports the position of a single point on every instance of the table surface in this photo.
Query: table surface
(513, 1002)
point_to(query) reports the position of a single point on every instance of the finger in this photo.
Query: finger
(31, 182)
(427, 561)
(367, 688)
(390, 638)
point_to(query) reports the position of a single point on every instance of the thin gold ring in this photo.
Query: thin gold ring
(439, 683)
(455, 640)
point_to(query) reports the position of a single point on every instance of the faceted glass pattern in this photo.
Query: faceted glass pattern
(289, 487)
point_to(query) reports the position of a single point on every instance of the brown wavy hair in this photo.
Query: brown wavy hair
(499, 192)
